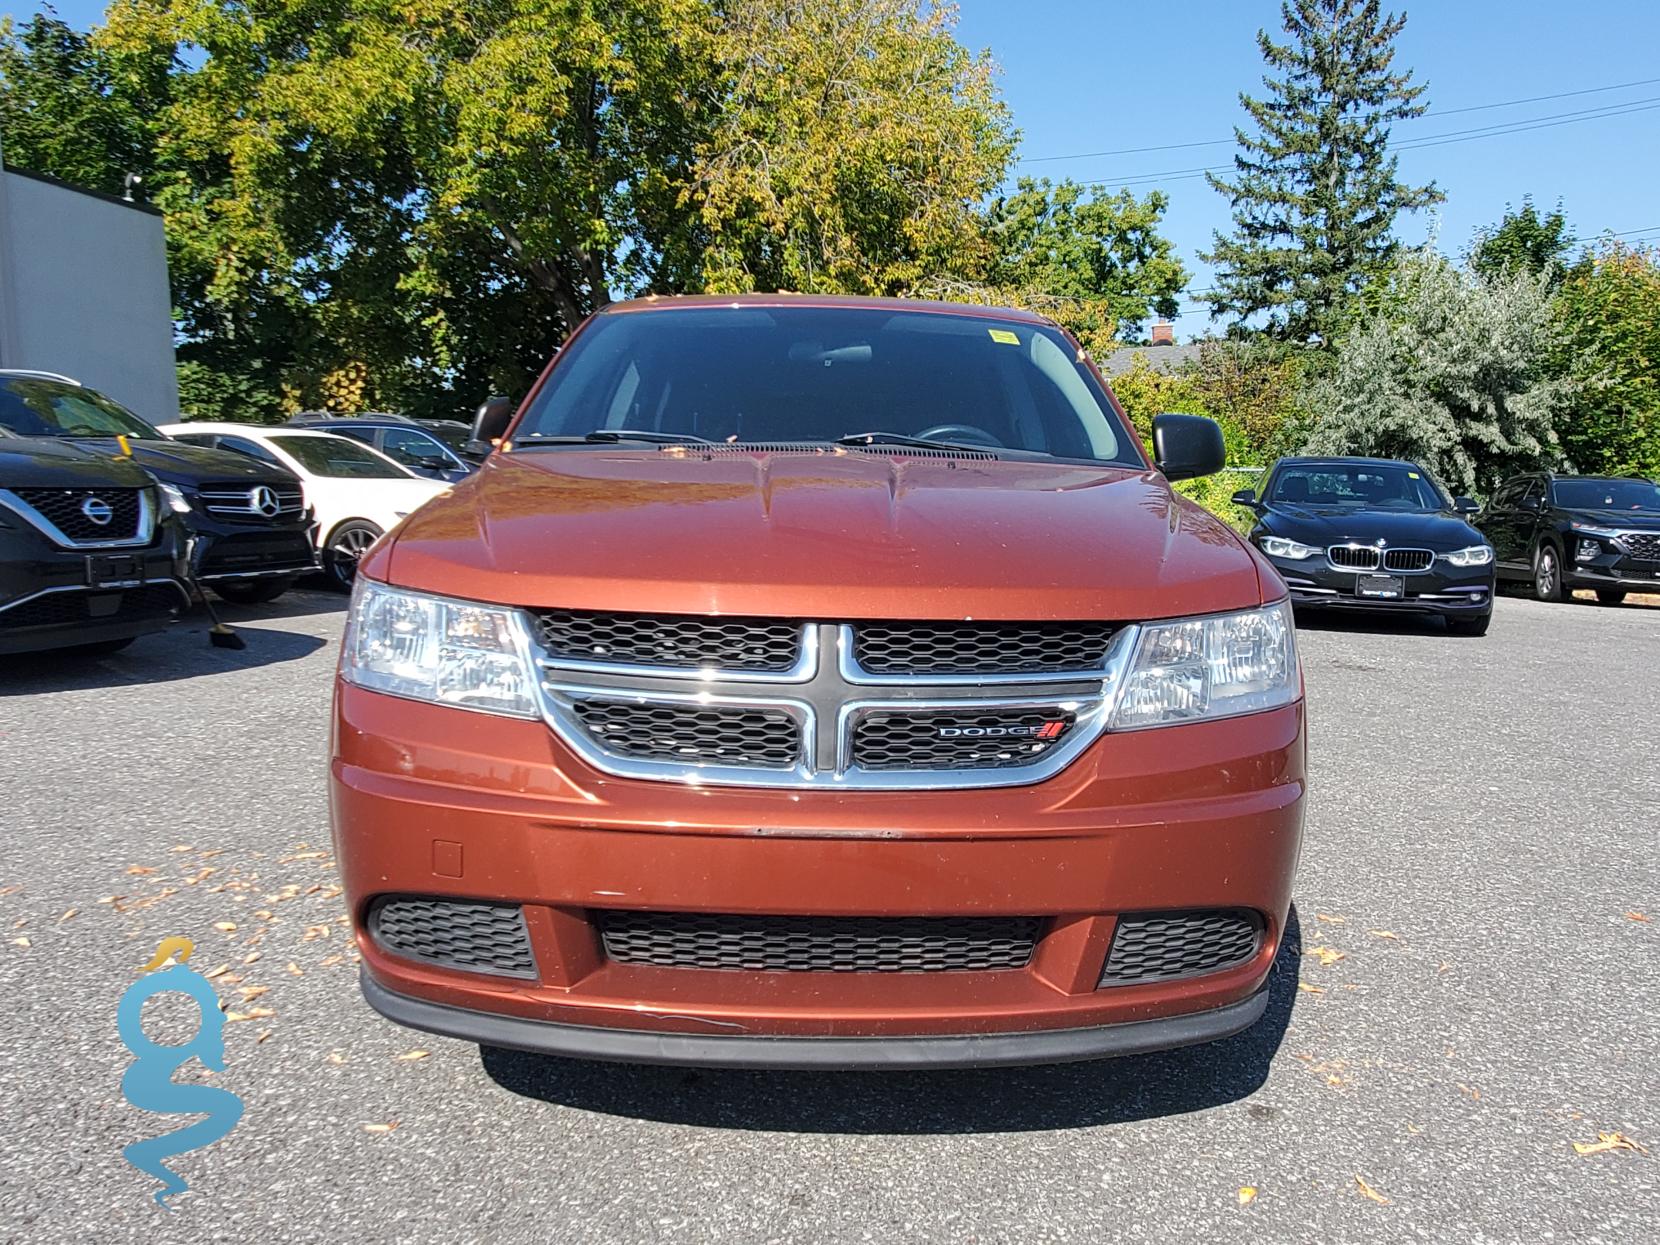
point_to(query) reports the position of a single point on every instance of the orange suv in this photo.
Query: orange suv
(816, 682)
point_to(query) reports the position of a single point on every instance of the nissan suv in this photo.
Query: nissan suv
(249, 527)
(810, 682)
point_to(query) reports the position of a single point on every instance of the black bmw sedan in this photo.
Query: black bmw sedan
(1373, 534)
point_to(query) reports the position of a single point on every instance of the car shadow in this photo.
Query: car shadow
(991, 1100)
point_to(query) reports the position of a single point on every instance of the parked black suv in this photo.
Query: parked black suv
(89, 555)
(1566, 532)
(250, 529)
(434, 450)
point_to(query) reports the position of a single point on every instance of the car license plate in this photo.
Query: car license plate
(109, 569)
(1380, 586)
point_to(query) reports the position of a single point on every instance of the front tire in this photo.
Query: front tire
(1610, 596)
(345, 547)
(1547, 574)
(253, 591)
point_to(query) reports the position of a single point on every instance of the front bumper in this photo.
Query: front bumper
(431, 801)
(227, 551)
(1449, 591)
(54, 597)
(1612, 567)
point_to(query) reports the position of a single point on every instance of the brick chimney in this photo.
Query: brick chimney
(1164, 334)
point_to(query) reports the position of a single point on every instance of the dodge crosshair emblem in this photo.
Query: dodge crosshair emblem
(266, 502)
(98, 511)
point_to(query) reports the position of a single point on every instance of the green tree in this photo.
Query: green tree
(1609, 308)
(1315, 191)
(1454, 370)
(1524, 241)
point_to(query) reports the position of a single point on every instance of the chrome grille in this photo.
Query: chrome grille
(1642, 544)
(904, 739)
(1164, 946)
(1408, 560)
(980, 648)
(682, 732)
(66, 509)
(462, 934)
(748, 644)
(819, 944)
(252, 503)
(1354, 557)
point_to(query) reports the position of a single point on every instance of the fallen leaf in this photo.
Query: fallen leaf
(1414, 1129)
(260, 1013)
(1606, 1142)
(294, 969)
(252, 956)
(264, 914)
(411, 1055)
(233, 1017)
(1384, 933)
(20, 942)
(380, 1128)
(228, 927)
(336, 1057)
(1303, 985)
(140, 870)
(263, 1034)
(1247, 1194)
(1368, 1191)
(1326, 955)
(182, 847)
(252, 992)
(217, 972)
(331, 961)
(1471, 1090)
(1331, 920)
(1637, 916)
(68, 912)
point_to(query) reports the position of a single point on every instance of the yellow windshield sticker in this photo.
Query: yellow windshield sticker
(1412, 475)
(1004, 336)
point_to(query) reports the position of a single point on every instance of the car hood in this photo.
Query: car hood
(43, 462)
(822, 535)
(1338, 525)
(191, 465)
(1624, 520)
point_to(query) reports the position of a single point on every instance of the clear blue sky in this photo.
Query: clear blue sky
(1097, 75)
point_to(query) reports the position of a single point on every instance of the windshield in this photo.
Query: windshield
(332, 455)
(1641, 495)
(455, 438)
(769, 374)
(50, 408)
(1367, 486)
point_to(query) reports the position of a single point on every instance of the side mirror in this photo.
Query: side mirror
(490, 423)
(1245, 497)
(1187, 446)
(1466, 505)
(1528, 503)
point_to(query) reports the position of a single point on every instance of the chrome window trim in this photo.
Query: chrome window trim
(856, 674)
(45, 526)
(805, 667)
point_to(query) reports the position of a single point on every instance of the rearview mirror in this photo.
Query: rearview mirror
(1466, 505)
(1245, 497)
(1187, 446)
(490, 424)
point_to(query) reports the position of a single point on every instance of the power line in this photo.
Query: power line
(1435, 112)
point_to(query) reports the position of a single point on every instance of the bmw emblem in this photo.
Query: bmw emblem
(98, 511)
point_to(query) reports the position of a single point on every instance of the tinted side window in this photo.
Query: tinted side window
(1506, 495)
(411, 448)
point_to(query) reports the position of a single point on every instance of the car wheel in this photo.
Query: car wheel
(98, 648)
(1469, 626)
(1547, 574)
(253, 591)
(1610, 596)
(346, 545)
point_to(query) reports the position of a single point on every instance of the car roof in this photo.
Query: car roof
(671, 302)
(1316, 459)
(243, 430)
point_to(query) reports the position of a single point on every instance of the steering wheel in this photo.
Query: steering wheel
(959, 432)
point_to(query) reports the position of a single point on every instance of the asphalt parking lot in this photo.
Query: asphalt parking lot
(1472, 987)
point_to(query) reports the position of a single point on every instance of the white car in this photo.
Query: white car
(358, 493)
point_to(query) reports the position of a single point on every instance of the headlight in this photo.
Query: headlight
(1281, 547)
(1211, 667)
(1474, 555)
(1592, 530)
(175, 499)
(447, 652)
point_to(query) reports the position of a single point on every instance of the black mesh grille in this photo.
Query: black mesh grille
(819, 944)
(259, 551)
(1408, 560)
(1642, 544)
(1354, 558)
(63, 508)
(57, 609)
(982, 739)
(768, 738)
(454, 933)
(980, 648)
(1162, 946)
(754, 644)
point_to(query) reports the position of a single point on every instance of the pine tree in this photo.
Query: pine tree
(1315, 193)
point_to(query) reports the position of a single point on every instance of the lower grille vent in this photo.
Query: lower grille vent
(454, 933)
(1164, 946)
(819, 944)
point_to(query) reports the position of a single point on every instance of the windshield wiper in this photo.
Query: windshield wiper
(899, 438)
(612, 436)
